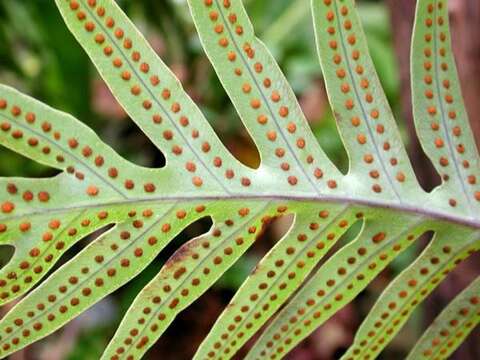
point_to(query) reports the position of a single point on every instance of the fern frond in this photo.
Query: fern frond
(440, 117)
(144, 209)
(379, 165)
(338, 281)
(262, 97)
(277, 276)
(409, 289)
(451, 327)
(186, 276)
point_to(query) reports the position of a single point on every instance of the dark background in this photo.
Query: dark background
(40, 57)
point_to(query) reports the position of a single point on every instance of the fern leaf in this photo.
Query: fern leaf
(144, 209)
(409, 289)
(440, 117)
(151, 94)
(102, 267)
(337, 282)
(44, 135)
(262, 96)
(277, 276)
(185, 276)
(378, 160)
(451, 327)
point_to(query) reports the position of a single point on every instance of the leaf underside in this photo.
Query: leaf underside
(146, 208)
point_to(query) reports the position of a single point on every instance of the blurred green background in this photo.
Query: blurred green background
(41, 58)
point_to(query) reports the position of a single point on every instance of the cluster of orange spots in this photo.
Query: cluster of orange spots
(335, 29)
(265, 111)
(187, 278)
(8, 206)
(280, 275)
(330, 293)
(30, 118)
(436, 39)
(413, 292)
(73, 144)
(132, 70)
(458, 324)
(61, 302)
(73, 232)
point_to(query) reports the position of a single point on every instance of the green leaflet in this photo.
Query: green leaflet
(440, 117)
(103, 266)
(152, 96)
(262, 97)
(451, 327)
(145, 208)
(378, 160)
(410, 288)
(338, 281)
(277, 276)
(190, 272)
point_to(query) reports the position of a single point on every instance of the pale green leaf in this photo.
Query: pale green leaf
(451, 327)
(379, 165)
(410, 288)
(139, 210)
(440, 116)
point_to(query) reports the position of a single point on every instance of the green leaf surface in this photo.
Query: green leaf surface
(131, 213)
(409, 289)
(277, 276)
(185, 276)
(379, 164)
(440, 116)
(262, 97)
(338, 281)
(451, 327)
